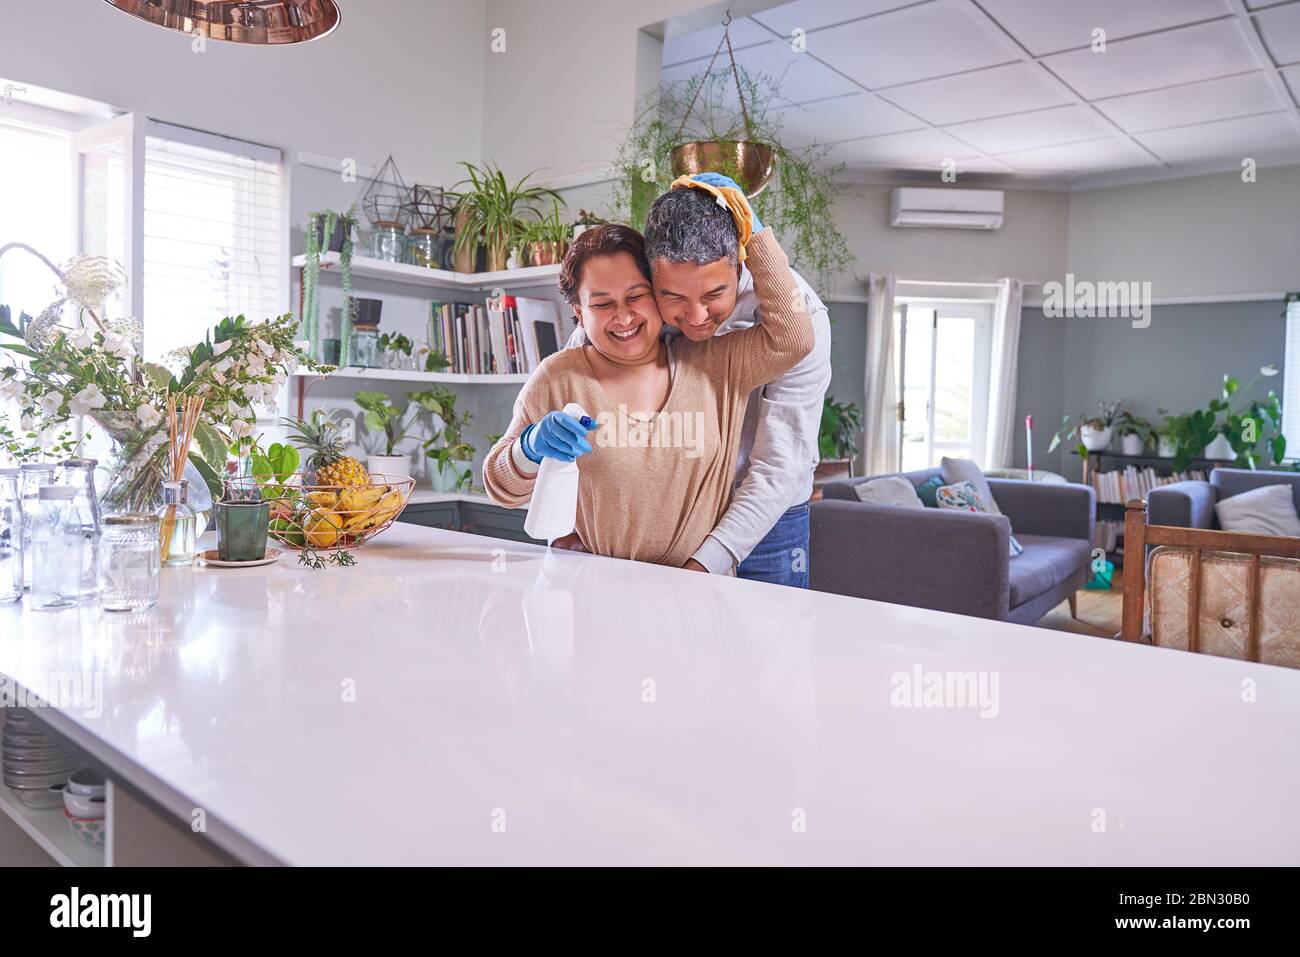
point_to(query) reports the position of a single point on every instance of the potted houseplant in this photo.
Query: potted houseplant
(1093, 431)
(384, 416)
(1237, 438)
(1134, 432)
(585, 221)
(327, 231)
(676, 120)
(547, 240)
(397, 348)
(490, 211)
(451, 457)
(837, 440)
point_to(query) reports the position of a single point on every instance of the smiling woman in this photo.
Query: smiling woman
(651, 488)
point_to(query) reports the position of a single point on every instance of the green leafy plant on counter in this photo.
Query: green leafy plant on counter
(492, 212)
(386, 417)
(448, 445)
(798, 202)
(840, 427)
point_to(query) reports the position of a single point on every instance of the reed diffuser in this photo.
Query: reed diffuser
(177, 519)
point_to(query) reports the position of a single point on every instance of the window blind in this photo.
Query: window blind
(1291, 382)
(213, 235)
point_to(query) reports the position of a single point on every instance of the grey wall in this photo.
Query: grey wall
(848, 355)
(1177, 363)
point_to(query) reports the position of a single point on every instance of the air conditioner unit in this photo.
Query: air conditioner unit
(947, 208)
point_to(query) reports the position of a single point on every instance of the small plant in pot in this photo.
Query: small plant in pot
(1093, 431)
(1135, 433)
(450, 456)
(383, 416)
(546, 241)
(837, 439)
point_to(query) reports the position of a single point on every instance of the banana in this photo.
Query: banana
(324, 500)
(355, 500)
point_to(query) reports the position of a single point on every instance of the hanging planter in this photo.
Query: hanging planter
(753, 163)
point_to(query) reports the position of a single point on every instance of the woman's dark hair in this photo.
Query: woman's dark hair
(604, 240)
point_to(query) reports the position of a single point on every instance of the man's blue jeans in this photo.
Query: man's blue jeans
(782, 556)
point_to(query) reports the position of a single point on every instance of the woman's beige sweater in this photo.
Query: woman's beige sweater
(658, 481)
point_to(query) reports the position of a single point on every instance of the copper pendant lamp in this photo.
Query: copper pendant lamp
(251, 22)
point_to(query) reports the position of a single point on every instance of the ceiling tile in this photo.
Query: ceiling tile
(1093, 156)
(842, 118)
(1024, 131)
(1292, 76)
(920, 42)
(916, 150)
(1156, 61)
(702, 43)
(1013, 88)
(1271, 133)
(798, 77)
(811, 15)
(1047, 26)
(1280, 30)
(1194, 103)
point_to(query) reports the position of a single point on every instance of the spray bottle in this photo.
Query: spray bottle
(554, 505)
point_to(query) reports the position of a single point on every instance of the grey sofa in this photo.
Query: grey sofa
(956, 561)
(1191, 504)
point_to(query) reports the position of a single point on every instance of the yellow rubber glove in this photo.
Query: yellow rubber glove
(735, 202)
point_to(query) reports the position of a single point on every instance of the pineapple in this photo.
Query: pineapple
(327, 465)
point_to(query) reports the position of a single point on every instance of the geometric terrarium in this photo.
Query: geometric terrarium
(385, 197)
(427, 208)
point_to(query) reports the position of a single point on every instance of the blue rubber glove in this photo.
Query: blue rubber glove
(558, 436)
(718, 180)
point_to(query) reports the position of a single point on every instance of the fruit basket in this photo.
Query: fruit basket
(323, 518)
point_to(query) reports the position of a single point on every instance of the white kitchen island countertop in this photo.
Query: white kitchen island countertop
(454, 699)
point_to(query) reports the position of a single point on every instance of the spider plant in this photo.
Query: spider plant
(492, 211)
(546, 239)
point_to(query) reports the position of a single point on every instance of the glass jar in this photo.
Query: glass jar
(33, 476)
(80, 475)
(365, 347)
(425, 249)
(388, 242)
(129, 558)
(11, 538)
(177, 523)
(57, 543)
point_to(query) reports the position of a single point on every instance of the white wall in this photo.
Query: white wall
(361, 92)
(1202, 235)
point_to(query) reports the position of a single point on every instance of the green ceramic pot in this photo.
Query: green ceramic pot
(241, 530)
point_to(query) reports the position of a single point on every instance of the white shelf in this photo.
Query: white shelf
(367, 268)
(403, 375)
(49, 830)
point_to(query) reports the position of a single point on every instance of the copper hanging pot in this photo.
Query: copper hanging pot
(751, 164)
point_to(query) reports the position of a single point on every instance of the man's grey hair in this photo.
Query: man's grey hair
(687, 225)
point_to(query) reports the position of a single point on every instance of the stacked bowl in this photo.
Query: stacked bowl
(35, 766)
(83, 806)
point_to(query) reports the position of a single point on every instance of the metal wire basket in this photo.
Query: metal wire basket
(327, 518)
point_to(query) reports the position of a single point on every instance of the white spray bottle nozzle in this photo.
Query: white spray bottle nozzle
(553, 508)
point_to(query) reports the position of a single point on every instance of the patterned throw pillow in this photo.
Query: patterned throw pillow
(964, 497)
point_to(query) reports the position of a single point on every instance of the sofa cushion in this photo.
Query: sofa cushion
(1267, 510)
(964, 497)
(1045, 562)
(964, 470)
(927, 489)
(888, 490)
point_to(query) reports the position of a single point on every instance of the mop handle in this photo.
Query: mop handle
(1029, 444)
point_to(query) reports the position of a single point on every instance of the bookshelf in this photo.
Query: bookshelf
(1163, 466)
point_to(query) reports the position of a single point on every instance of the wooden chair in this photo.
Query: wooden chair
(1230, 547)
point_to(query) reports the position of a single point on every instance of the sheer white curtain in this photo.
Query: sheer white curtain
(880, 418)
(1003, 362)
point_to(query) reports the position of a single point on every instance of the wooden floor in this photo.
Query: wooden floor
(1100, 614)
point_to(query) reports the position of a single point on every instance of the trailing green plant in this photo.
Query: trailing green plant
(1107, 415)
(320, 228)
(841, 425)
(448, 443)
(496, 212)
(798, 202)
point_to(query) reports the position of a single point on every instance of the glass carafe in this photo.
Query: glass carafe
(177, 523)
(11, 537)
(80, 475)
(33, 476)
(57, 541)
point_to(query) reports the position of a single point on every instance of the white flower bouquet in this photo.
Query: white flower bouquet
(55, 373)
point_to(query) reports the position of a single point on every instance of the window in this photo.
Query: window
(38, 213)
(213, 235)
(1291, 380)
(942, 367)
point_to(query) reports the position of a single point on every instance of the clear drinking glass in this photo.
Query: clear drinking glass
(11, 537)
(129, 558)
(80, 474)
(57, 543)
(32, 476)
(177, 525)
